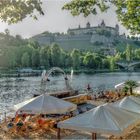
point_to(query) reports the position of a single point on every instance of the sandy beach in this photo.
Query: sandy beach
(6, 133)
(67, 134)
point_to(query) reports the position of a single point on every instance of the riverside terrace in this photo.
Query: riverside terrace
(26, 125)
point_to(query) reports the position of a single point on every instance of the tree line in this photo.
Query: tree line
(16, 52)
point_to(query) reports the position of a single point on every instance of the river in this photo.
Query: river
(15, 90)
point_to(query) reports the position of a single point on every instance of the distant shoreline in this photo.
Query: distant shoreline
(13, 73)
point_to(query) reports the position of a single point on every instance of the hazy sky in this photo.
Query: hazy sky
(57, 20)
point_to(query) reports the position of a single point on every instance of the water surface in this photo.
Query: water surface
(15, 90)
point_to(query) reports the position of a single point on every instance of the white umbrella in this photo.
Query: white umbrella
(45, 104)
(137, 90)
(120, 85)
(129, 103)
(106, 119)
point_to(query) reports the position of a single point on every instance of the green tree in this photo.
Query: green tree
(44, 56)
(33, 44)
(13, 11)
(118, 56)
(75, 54)
(62, 58)
(89, 60)
(19, 51)
(128, 53)
(35, 58)
(98, 61)
(56, 55)
(8, 57)
(25, 60)
(111, 60)
(105, 64)
(137, 54)
(130, 84)
(68, 60)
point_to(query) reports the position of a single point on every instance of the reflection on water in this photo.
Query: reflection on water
(15, 90)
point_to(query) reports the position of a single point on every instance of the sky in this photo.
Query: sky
(58, 20)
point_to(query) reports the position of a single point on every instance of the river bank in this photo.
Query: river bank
(32, 72)
(30, 130)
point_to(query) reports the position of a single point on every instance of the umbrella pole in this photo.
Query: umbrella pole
(93, 136)
(5, 116)
(58, 134)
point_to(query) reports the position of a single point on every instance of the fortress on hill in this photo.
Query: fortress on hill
(83, 38)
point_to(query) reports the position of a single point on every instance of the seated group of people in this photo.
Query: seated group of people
(35, 121)
(106, 95)
(18, 121)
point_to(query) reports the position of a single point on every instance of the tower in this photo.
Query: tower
(102, 23)
(88, 25)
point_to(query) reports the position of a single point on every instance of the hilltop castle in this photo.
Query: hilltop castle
(94, 30)
(83, 38)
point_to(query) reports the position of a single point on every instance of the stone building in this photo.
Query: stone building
(82, 38)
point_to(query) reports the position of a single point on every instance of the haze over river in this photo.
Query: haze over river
(15, 90)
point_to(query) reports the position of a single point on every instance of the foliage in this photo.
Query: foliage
(44, 56)
(128, 11)
(89, 60)
(128, 53)
(25, 60)
(12, 11)
(16, 52)
(75, 54)
(35, 58)
(111, 63)
(137, 54)
(55, 55)
(85, 7)
(130, 84)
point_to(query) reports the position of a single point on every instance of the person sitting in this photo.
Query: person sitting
(88, 87)
(43, 116)
(95, 98)
(17, 118)
(71, 114)
(24, 116)
(41, 122)
(19, 124)
(55, 124)
(10, 124)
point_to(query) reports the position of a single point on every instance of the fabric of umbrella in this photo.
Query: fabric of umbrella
(105, 119)
(120, 85)
(129, 103)
(45, 104)
(137, 90)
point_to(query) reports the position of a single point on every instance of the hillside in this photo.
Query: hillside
(88, 38)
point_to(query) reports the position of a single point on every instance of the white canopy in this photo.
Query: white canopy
(45, 104)
(106, 119)
(129, 103)
(120, 85)
(137, 90)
